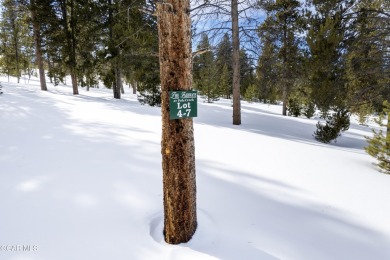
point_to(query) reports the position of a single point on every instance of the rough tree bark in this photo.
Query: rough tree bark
(117, 85)
(73, 49)
(70, 40)
(38, 47)
(177, 144)
(236, 65)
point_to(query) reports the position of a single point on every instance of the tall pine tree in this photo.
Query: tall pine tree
(223, 61)
(204, 72)
(326, 63)
(282, 26)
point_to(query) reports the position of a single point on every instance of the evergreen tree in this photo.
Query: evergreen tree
(282, 26)
(15, 39)
(224, 64)
(88, 42)
(36, 21)
(335, 124)
(141, 63)
(251, 93)
(379, 144)
(53, 47)
(348, 64)
(224, 81)
(367, 59)
(326, 64)
(204, 72)
(246, 72)
(267, 71)
(295, 106)
(131, 48)
(6, 58)
(69, 12)
(147, 77)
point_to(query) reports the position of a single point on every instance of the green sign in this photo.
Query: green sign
(183, 104)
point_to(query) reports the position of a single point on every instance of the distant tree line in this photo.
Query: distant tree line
(330, 55)
(323, 54)
(107, 40)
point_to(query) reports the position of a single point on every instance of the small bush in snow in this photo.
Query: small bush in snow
(379, 145)
(335, 124)
(294, 107)
(251, 93)
(309, 110)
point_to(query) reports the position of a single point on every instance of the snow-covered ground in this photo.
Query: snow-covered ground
(81, 178)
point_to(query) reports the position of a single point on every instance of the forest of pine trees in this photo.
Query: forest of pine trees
(91, 41)
(330, 55)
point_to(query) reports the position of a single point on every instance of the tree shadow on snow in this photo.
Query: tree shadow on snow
(258, 218)
(259, 121)
(72, 188)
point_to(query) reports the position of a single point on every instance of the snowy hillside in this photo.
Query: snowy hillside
(81, 178)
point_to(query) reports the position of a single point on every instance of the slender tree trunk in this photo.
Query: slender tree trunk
(50, 68)
(134, 85)
(118, 75)
(285, 100)
(118, 81)
(208, 94)
(177, 144)
(284, 73)
(116, 85)
(73, 49)
(236, 65)
(38, 47)
(17, 59)
(74, 82)
(16, 49)
(71, 41)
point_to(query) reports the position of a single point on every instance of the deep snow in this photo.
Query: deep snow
(81, 178)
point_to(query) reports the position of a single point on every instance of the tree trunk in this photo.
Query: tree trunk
(50, 68)
(73, 49)
(38, 49)
(285, 99)
(118, 81)
(236, 65)
(74, 82)
(177, 144)
(116, 85)
(134, 85)
(285, 78)
(16, 49)
(71, 41)
(118, 75)
(16, 46)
